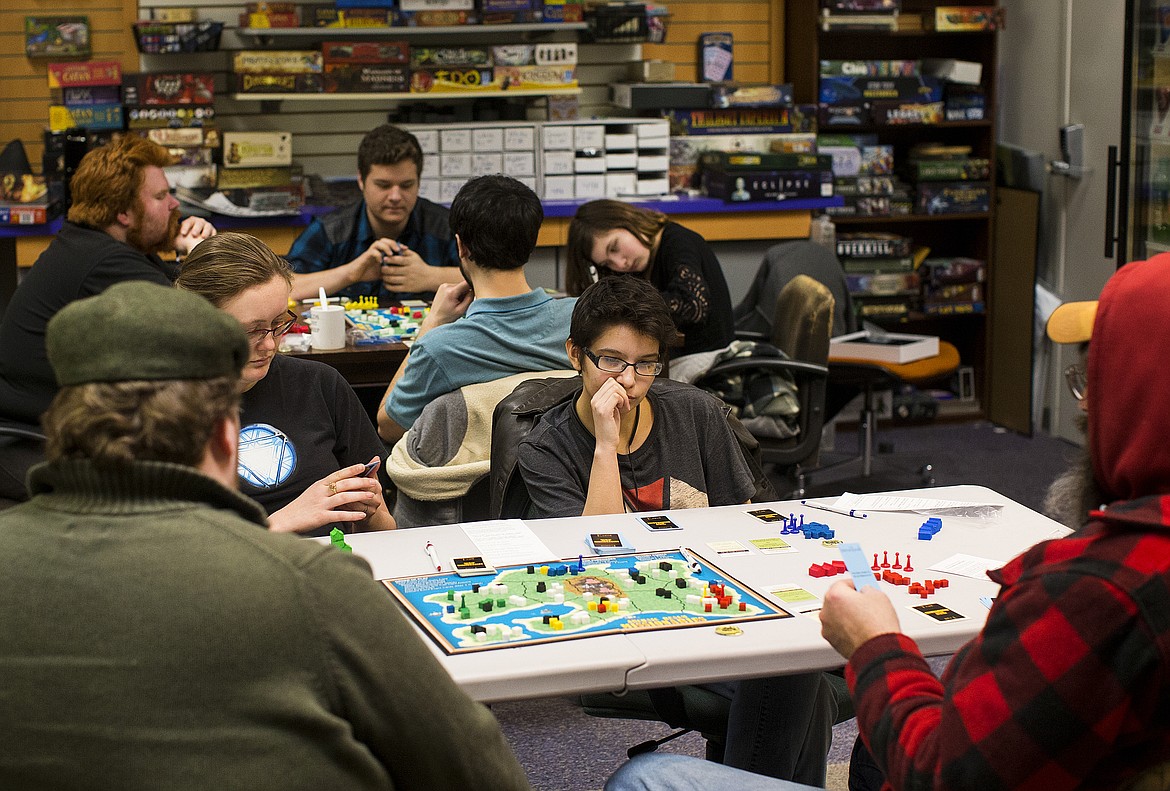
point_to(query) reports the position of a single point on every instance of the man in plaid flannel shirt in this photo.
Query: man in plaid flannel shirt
(1068, 684)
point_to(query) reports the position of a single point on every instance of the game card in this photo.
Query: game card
(607, 544)
(766, 515)
(471, 566)
(858, 566)
(728, 548)
(937, 612)
(796, 598)
(659, 523)
(772, 546)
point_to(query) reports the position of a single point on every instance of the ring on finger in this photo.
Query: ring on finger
(333, 488)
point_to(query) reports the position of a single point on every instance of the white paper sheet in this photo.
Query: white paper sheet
(893, 502)
(967, 566)
(507, 542)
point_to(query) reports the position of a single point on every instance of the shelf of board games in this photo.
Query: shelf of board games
(967, 234)
(400, 97)
(494, 31)
(463, 33)
(880, 219)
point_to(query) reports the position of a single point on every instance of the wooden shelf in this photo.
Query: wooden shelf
(899, 218)
(406, 32)
(396, 97)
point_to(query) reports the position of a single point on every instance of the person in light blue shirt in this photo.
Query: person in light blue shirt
(492, 325)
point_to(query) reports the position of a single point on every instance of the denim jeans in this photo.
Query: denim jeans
(663, 772)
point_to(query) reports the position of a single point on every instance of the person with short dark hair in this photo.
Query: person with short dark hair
(392, 243)
(166, 639)
(305, 439)
(629, 441)
(494, 324)
(122, 216)
(609, 237)
(1067, 684)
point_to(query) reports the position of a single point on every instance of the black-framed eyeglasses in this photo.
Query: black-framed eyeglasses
(279, 329)
(616, 365)
(1078, 383)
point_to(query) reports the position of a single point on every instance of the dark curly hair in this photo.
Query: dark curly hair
(388, 145)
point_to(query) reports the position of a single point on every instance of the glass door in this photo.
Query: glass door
(1144, 178)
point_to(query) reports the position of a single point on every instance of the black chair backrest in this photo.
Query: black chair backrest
(517, 413)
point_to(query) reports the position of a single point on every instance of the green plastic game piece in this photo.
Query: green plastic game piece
(501, 602)
(337, 539)
(465, 613)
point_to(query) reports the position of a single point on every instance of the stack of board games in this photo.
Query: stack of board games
(967, 18)
(778, 129)
(952, 286)
(746, 176)
(963, 95)
(258, 173)
(860, 14)
(451, 69)
(533, 67)
(27, 199)
(366, 66)
(880, 273)
(877, 93)
(269, 15)
(85, 95)
(175, 110)
(863, 174)
(949, 180)
(278, 71)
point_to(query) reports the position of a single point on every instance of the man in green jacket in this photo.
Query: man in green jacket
(154, 635)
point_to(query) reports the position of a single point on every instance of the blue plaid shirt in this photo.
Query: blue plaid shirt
(341, 236)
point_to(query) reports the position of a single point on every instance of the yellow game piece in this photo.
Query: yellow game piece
(544, 570)
(591, 606)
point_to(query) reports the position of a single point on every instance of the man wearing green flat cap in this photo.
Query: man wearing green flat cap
(155, 635)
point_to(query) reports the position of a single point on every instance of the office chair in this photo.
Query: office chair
(802, 323)
(873, 377)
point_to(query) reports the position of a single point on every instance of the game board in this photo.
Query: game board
(613, 594)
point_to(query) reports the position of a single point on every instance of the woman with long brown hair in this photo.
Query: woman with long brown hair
(608, 237)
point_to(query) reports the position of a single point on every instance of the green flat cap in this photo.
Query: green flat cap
(144, 331)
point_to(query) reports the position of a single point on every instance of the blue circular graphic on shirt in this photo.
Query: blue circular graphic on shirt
(267, 456)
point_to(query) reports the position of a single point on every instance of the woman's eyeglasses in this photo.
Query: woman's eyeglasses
(616, 365)
(278, 329)
(1078, 384)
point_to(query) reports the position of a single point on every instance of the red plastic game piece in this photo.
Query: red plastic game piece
(908, 567)
(876, 565)
(885, 560)
(815, 570)
(897, 563)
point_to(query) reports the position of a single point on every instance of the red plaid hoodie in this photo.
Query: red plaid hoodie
(1068, 684)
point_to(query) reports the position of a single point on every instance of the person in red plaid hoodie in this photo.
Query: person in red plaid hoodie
(1068, 684)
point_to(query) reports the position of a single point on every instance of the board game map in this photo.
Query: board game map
(587, 597)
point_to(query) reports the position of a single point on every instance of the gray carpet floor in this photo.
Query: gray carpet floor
(565, 750)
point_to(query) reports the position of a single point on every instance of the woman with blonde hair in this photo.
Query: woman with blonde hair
(308, 451)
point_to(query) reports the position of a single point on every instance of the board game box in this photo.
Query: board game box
(586, 597)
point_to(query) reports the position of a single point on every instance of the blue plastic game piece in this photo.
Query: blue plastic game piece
(929, 528)
(817, 530)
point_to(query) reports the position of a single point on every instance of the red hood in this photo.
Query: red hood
(1129, 382)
